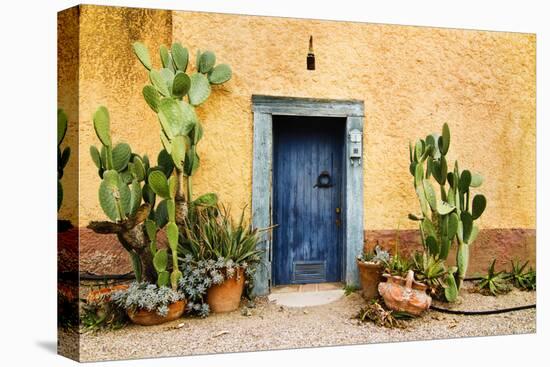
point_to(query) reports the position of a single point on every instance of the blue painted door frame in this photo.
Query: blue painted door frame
(265, 109)
(307, 243)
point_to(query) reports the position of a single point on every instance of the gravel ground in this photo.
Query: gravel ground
(269, 326)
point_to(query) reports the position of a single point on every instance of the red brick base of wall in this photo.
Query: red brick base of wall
(501, 244)
(102, 254)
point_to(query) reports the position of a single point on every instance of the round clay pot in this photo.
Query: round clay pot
(148, 318)
(405, 294)
(370, 275)
(226, 297)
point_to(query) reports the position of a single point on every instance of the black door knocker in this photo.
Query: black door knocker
(324, 180)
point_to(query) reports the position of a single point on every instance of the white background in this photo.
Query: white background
(28, 198)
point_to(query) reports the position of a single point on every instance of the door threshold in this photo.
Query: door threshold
(303, 288)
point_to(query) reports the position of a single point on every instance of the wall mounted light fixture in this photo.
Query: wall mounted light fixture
(310, 55)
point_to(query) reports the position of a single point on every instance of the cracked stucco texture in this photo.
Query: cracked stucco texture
(411, 79)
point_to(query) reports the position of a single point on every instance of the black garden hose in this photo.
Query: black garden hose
(486, 312)
(85, 275)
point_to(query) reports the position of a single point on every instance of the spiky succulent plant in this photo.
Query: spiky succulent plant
(521, 277)
(494, 282)
(377, 255)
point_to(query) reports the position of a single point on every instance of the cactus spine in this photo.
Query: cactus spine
(449, 218)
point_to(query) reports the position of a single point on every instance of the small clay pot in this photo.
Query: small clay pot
(405, 295)
(148, 318)
(226, 297)
(104, 294)
(370, 275)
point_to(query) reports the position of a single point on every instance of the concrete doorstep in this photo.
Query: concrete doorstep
(306, 295)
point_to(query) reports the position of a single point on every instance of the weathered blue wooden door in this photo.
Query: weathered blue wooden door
(307, 199)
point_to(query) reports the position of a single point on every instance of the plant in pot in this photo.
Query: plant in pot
(433, 272)
(220, 257)
(174, 93)
(150, 304)
(371, 266)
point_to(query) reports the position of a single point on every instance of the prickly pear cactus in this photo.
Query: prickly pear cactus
(166, 189)
(174, 93)
(448, 217)
(121, 171)
(62, 156)
(128, 185)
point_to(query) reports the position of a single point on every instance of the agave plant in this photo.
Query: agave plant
(216, 235)
(432, 271)
(397, 265)
(494, 282)
(522, 278)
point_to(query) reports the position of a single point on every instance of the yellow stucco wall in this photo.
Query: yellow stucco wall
(111, 75)
(411, 79)
(67, 98)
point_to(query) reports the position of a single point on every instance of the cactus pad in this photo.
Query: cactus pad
(220, 74)
(121, 156)
(478, 206)
(180, 55)
(165, 58)
(159, 184)
(207, 61)
(96, 157)
(158, 81)
(61, 125)
(445, 140)
(181, 84)
(210, 199)
(142, 54)
(171, 117)
(164, 160)
(151, 97)
(102, 125)
(200, 89)
(179, 147)
(172, 235)
(160, 260)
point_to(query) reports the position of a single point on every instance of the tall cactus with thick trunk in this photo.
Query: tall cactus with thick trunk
(127, 195)
(173, 95)
(447, 218)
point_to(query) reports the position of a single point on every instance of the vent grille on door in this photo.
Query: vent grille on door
(309, 272)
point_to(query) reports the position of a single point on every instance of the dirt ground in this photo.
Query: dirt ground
(269, 326)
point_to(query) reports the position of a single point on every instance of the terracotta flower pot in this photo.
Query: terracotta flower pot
(405, 294)
(226, 297)
(104, 294)
(370, 275)
(148, 318)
